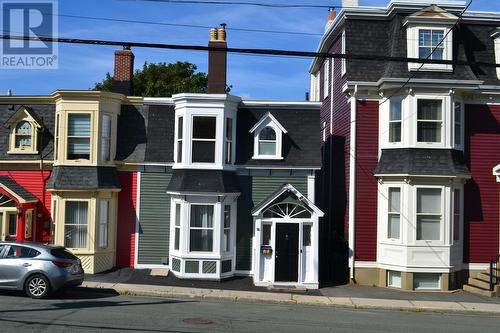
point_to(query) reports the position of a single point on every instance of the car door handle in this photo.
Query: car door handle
(26, 264)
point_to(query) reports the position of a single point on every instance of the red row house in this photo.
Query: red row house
(408, 149)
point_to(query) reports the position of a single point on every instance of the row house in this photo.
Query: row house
(209, 185)
(409, 149)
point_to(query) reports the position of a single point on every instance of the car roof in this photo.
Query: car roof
(35, 245)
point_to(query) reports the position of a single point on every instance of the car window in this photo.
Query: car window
(1, 249)
(62, 253)
(21, 252)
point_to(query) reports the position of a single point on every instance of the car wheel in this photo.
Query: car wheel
(37, 286)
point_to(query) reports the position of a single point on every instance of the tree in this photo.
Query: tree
(163, 80)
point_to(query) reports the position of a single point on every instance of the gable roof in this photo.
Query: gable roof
(20, 194)
(286, 188)
(18, 115)
(431, 14)
(268, 115)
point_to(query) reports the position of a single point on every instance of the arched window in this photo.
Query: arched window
(287, 211)
(23, 135)
(267, 141)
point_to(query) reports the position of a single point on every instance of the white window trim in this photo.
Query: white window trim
(401, 214)
(268, 120)
(497, 53)
(444, 121)
(412, 34)
(442, 223)
(179, 139)
(213, 228)
(459, 146)
(326, 78)
(228, 142)
(343, 64)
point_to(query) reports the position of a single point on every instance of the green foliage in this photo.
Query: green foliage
(163, 80)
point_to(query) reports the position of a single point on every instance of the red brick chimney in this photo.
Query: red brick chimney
(330, 18)
(217, 61)
(124, 71)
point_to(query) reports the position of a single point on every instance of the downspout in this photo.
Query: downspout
(352, 184)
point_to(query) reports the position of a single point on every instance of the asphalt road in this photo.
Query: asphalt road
(89, 311)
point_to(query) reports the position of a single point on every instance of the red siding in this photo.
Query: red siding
(34, 182)
(481, 207)
(366, 183)
(127, 205)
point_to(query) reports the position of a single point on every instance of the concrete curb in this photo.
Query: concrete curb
(293, 299)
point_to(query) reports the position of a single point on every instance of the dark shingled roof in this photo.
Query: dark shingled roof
(424, 162)
(146, 133)
(203, 181)
(83, 178)
(46, 114)
(471, 42)
(301, 145)
(17, 189)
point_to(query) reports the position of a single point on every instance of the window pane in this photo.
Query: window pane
(200, 240)
(180, 128)
(23, 141)
(394, 200)
(78, 148)
(12, 231)
(395, 109)
(424, 52)
(428, 227)
(266, 234)
(79, 124)
(203, 152)
(267, 134)
(179, 151)
(456, 215)
(424, 38)
(229, 129)
(267, 148)
(458, 123)
(177, 238)
(429, 109)
(227, 216)
(177, 215)
(103, 223)
(394, 226)
(395, 132)
(226, 241)
(202, 216)
(76, 224)
(438, 54)
(204, 127)
(429, 200)
(23, 128)
(229, 153)
(105, 137)
(429, 132)
(426, 281)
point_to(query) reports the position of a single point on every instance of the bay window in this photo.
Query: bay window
(56, 138)
(104, 224)
(429, 213)
(106, 138)
(180, 134)
(204, 140)
(429, 120)
(78, 136)
(76, 224)
(395, 120)
(229, 141)
(201, 228)
(394, 213)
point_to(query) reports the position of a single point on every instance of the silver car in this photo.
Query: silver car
(38, 269)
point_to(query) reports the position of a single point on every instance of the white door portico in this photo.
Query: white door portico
(285, 249)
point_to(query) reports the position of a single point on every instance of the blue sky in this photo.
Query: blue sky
(251, 76)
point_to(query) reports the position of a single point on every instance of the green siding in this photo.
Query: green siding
(154, 220)
(253, 190)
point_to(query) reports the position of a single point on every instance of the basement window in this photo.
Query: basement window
(426, 281)
(394, 279)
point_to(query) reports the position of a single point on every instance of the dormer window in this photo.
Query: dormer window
(268, 137)
(78, 136)
(429, 37)
(24, 126)
(267, 142)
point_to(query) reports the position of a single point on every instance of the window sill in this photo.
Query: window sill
(427, 68)
(267, 158)
(23, 152)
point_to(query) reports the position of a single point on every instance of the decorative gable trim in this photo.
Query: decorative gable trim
(286, 188)
(28, 141)
(433, 15)
(23, 113)
(268, 115)
(496, 172)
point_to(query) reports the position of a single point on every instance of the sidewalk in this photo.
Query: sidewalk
(120, 282)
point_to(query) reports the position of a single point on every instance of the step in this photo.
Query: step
(484, 276)
(476, 282)
(479, 291)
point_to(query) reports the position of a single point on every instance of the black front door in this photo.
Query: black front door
(287, 252)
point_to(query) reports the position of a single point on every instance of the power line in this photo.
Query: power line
(275, 52)
(239, 3)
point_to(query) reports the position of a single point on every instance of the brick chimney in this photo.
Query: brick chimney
(124, 71)
(330, 18)
(217, 61)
